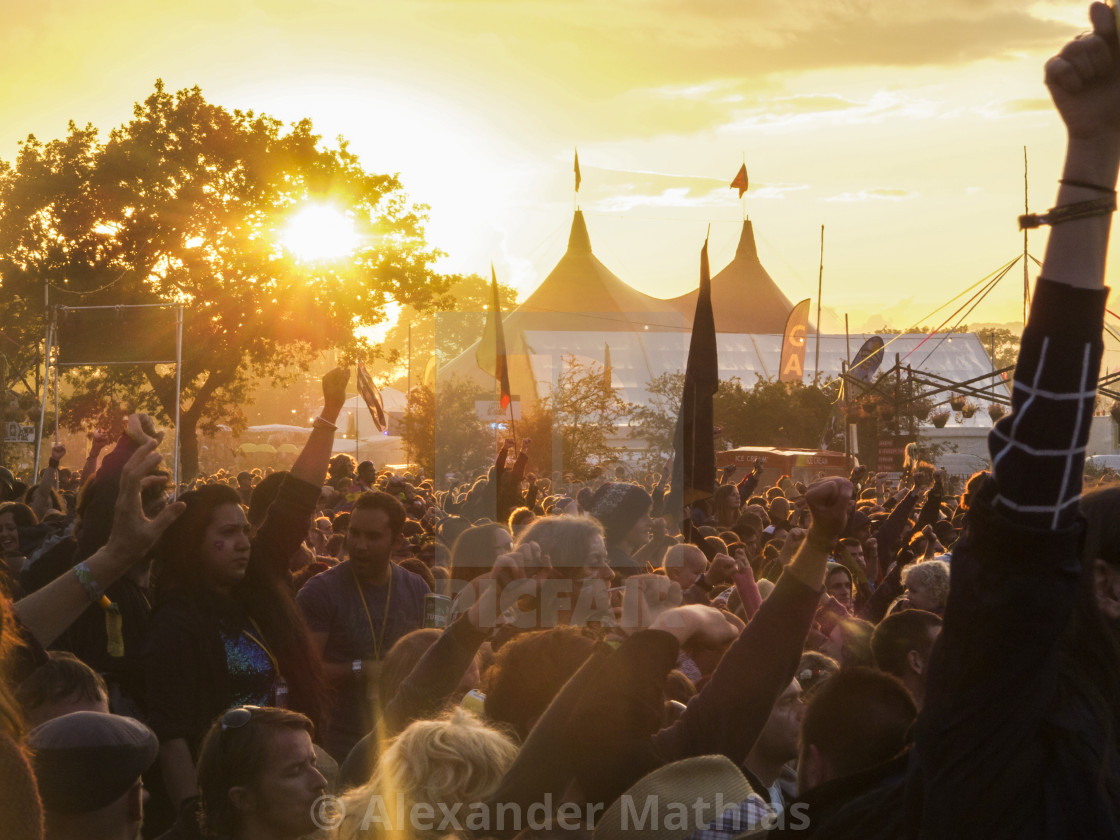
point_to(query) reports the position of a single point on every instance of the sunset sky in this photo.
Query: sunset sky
(898, 125)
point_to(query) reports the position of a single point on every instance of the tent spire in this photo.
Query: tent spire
(578, 241)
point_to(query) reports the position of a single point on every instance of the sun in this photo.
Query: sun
(320, 232)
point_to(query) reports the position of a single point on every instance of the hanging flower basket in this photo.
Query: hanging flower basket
(996, 411)
(939, 418)
(920, 409)
(968, 409)
(886, 411)
(956, 402)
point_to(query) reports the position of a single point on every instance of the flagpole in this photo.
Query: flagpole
(1026, 257)
(820, 285)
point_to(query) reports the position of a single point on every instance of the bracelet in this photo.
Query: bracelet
(1069, 212)
(1073, 182)
(327, 423)
(89, 582)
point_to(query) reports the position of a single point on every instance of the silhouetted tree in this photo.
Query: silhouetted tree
(187, 203)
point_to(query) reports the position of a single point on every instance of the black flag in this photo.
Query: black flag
(694, 459)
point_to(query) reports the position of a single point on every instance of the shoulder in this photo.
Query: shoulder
(410, 582)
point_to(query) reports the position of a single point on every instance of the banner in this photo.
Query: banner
(792, 367)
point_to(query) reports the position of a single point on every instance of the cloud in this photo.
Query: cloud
(1017, 106)
(881, 194)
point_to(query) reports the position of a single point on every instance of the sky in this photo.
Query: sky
(898, 125)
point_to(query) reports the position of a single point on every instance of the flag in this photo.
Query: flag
(694, 457)
(868, 359)
(740, 181)
(491, 353)
(372, 397)
(578, 178)
(792, 367)
(429, 380)
(608, 374)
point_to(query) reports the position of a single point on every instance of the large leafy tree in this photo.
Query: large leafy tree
(186, 203)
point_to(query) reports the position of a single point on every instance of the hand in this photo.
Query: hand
(513, 575)
(141, 428)
(133, 533)
(98, 442)
(1084, 79)
(334, 391)
(722, 570)
(698, 626)
(830, 504)
(793, 542)
(525, 442)
(58, 452)
(871, 547)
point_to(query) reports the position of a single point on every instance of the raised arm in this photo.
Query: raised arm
(1003, 680)
(49, 611)
(311, 465)
(41, 501)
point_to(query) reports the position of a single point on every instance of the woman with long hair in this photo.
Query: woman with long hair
(226, 630)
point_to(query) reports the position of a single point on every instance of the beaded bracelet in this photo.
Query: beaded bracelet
(89, 582)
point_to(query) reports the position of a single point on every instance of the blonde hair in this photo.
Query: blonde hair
(455, 759)
(932, 574)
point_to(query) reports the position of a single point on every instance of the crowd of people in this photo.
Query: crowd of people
(341, 651)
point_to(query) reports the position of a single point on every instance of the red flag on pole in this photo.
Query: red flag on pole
(740, 181)
(578, 178)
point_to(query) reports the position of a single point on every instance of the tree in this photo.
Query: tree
(587, 411)
(186, 203)
(452, 323)
(770, 413)
(443, 432)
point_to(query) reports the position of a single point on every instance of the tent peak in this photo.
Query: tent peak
(747, 248)
(579, 242)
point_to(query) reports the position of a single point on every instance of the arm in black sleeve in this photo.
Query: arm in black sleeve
(285, 527)
(891, 530)
(729, 713)
(931, 509)
(435, 677)
(748, 484)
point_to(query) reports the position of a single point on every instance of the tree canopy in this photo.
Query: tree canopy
(187, 203)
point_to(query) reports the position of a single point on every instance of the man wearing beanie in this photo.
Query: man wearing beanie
(88, 767)
(623, 509)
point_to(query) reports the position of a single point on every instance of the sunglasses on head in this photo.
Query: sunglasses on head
(237, 717)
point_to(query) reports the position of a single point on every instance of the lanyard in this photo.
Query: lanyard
(377, 642)
(258, 640)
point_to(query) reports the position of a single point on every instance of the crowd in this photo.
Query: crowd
(344, 652)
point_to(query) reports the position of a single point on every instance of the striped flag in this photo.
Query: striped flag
(372, 397)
